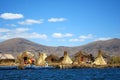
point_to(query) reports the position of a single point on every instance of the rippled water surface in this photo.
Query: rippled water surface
(62, 74)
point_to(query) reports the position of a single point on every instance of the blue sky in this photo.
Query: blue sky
(60, 22)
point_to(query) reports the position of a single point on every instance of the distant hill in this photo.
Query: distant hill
(17, 45)
(111, 47)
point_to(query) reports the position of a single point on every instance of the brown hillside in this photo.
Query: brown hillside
(18, 45)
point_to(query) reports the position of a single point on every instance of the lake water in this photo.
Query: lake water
(62, 74)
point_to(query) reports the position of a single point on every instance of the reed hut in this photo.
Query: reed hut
(81, 57)
(66, 59)
(7, 58)
(99, 59)
(52, 58)
(24, 57)
(41, 60)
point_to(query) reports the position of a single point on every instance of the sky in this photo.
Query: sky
(60, 22)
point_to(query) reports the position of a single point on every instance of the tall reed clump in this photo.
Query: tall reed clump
(115, 60)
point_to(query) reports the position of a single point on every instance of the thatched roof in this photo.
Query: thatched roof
(81, 53)
(21, 57)
(66, 59)
(27, 54)
(99, 59)
(6, 56)
(52, 58)
(41, 59)
(81, 57)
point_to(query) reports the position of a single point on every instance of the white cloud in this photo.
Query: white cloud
(20, 32)
(12, 25)
(102, 39)
(68, 35)
(57, 19)
(36, 35)
(11, 16)
(30, 22)
(57, 35)
(60, 35)
(22, 29)
(76, 40)
(4, 30)
(81, 38)
(86, 36)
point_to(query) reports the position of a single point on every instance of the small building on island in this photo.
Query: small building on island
(99, 59)
(52, 58)
(26, 58)
(81, 57)
(41, 59)
(7, 58)
(66, 59)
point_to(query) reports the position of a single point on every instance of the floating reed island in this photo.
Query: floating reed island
(79, 60)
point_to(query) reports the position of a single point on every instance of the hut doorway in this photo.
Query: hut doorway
(25, 59)
(82, 58)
